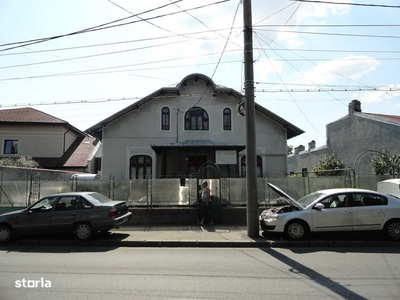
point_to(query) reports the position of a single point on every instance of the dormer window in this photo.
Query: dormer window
(165, 119)
(196, 118)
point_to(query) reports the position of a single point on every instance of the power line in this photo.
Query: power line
(103, 27)
(347, 3)
(334, 34)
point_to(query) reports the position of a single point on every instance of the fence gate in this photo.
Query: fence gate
(34, 191)
(372, 163)
(210, 172)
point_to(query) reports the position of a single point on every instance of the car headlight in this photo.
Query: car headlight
(269, 216)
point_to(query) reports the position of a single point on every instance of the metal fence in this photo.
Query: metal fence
(20, 187)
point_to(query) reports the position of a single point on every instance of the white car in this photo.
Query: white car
(331, 210)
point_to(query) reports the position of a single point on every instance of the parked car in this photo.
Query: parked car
(330, 210)
(80, 213)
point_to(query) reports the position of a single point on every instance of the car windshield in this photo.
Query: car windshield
(310, 198)
(97, 198)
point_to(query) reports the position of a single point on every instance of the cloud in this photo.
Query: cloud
(351, 66)
(263, 68)
(381, 94)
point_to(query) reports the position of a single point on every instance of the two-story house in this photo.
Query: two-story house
(52, 142)
(176, 129)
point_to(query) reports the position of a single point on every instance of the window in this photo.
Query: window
(11, 146)
(259, 166)
(196, 118)
(335, 201)
(140, 166)
(165, 118)
(227, 119)
(67, 203)
(363, 199)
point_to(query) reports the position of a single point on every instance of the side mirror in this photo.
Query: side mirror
(319, 206)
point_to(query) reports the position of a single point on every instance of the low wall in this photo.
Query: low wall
(187, 216)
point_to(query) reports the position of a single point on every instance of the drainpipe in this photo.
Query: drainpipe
(177, 124)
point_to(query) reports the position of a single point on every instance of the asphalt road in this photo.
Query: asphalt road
(199, 273)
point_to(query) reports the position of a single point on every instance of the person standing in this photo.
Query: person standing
(205, 209)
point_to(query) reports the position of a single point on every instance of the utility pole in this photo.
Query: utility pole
(251, 157)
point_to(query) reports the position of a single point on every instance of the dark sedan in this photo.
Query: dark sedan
(80, 213)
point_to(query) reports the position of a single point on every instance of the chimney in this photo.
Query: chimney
(299, 149)
(354, 106)
(311, 145)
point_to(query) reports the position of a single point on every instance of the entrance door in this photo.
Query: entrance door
(195, 162)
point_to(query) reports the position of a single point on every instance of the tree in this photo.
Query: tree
(290, 149)
(331, 166)
(385, 163)
(23, 161)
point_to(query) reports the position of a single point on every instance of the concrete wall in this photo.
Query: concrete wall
(187, 216)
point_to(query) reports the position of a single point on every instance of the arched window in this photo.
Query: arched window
(196, 118)
(227, 119)
(140, 166)
(165, 118)
(259, 166)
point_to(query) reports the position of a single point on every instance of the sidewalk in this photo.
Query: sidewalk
(218, 236)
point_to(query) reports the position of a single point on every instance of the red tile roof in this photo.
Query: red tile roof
(390, 117)
(28, 115)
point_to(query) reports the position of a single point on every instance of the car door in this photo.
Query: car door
(369, 210)
(37, 218)
(67, 212)
(335, 216)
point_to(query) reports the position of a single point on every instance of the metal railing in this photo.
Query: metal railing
(16, 187)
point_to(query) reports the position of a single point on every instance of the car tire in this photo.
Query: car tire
(83, 231)
(392, 230)
(296, 230)
(6, 234)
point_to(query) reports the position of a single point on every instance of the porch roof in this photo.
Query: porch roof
(199, 144)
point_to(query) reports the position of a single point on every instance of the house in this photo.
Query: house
(175, 130)
(349, 137)
(53, 143)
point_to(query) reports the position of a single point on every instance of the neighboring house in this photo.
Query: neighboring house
(175, 130)
(349, 137)
(53, 143)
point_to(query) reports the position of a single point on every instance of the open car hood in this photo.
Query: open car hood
(286, 196)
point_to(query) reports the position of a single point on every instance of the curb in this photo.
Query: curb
(202, 243)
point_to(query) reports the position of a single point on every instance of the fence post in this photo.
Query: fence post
(111, 186)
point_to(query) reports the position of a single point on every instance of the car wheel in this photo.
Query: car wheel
(83, 231)
(6, 233)
(296, 230)
(392, 230)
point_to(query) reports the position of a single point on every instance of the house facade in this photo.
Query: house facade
(53, 143)
(175, 130)
(349, 137)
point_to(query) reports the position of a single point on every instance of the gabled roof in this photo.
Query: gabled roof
(77, 155)
(29, 115)
(96, 130)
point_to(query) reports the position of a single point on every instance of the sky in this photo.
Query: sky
(82, 61)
